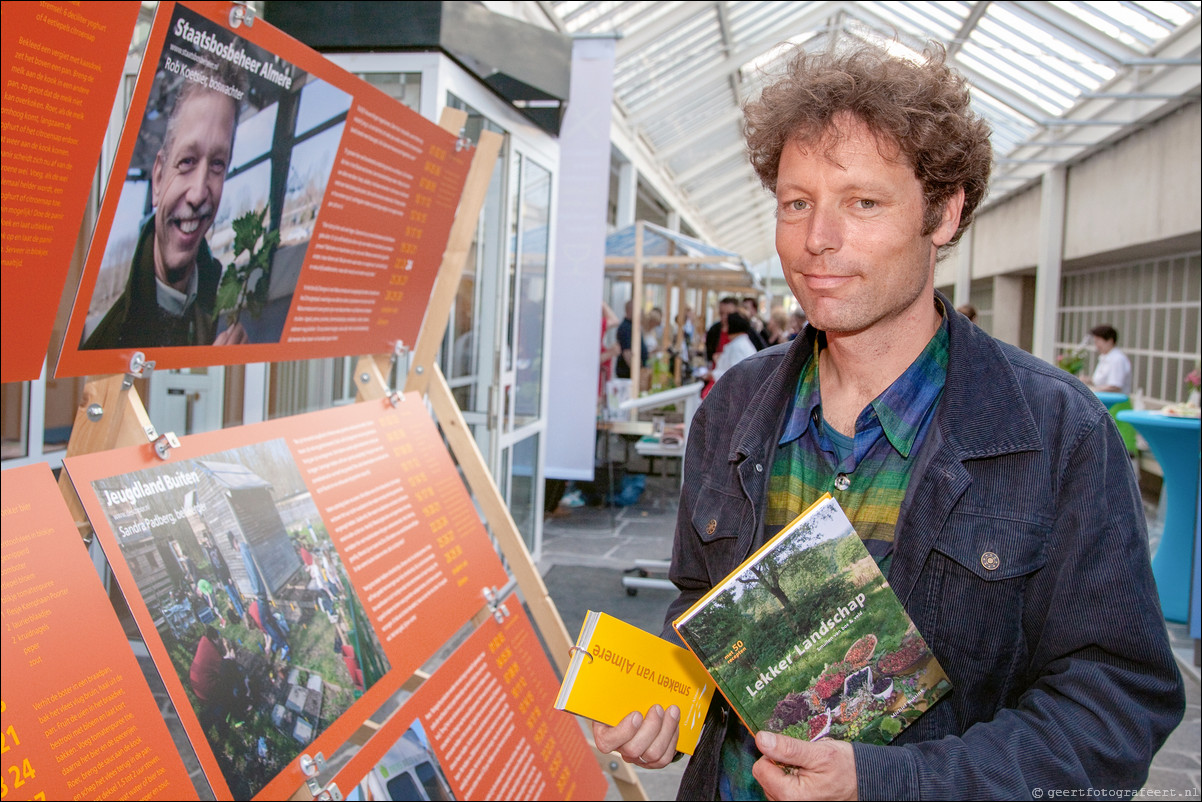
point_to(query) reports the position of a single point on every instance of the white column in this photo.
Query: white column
(962, 289)
(574, 308)
(628, 187)
(254, 393)
(1007, 309)
(1047, 275)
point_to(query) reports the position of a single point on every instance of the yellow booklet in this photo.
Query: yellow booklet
(617, 668)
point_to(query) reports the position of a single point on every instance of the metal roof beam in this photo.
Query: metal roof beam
(1007, 97)
(735, 79)
(722, 182)
(970, 24)
(1061, 23)
(1133, 95)
(627, 141)
(662, 26)
(693, 136)
(739, 213)
(552, 16)
(735, 62)
(581, 9)
(700, 168)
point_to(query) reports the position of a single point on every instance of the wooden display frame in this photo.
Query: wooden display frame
(111, 415)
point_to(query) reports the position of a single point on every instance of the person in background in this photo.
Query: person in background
(688, 325)
(738, 347)
(797, 322)
(751, 310)
(609, 350)
(969, 311)
(217, 679)
(715, 335)
(778, 327)
(625, 340)
(1113, 371)
(653, 331)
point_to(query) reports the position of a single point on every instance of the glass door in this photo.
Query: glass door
(493, 351)
(521, 387)
(187, 400)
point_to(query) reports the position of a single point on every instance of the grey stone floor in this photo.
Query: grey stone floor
(598, 538)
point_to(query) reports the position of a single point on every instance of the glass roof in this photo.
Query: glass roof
(1056, 79)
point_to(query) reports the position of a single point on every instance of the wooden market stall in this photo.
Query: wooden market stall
(644, 253)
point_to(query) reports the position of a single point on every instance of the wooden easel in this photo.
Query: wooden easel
(425, 376)
(111, 415)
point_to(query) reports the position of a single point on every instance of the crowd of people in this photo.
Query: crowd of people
(700, 357)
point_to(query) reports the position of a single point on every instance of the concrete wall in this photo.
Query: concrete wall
(1145, 189)
(1006, 236)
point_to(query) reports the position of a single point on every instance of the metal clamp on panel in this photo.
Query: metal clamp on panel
(498, 609)
(401, 356)
(241, 13)
(311, 766)
(139, 368)
(164, 444)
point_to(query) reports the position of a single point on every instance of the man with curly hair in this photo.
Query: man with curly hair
(991, 488)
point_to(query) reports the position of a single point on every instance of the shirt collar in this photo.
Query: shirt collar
(172, 300)
(901, 408)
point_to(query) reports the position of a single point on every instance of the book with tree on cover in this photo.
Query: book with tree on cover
(617, 667)
(806, 638)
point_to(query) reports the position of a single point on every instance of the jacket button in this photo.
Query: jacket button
(990, 561)
(711, 526)
(759, 468)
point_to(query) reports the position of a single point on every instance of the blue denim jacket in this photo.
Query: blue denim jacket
(1063, 677)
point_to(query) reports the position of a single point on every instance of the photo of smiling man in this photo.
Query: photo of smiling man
(169, 297)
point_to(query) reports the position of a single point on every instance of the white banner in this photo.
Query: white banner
(575, 308)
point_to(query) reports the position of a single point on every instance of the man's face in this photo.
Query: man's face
(187, 183)
(724, 311)
(849, 231)
(1102, 344)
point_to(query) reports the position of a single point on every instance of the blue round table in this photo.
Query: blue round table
(1110, 398)
(1174, 443)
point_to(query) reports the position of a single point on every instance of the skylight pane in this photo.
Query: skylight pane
(1174, 14)
(1135, 21)
(1099, 19)
(899, 16)
(1074, 64)
(1040, 66)
(936, 22)
(988, 64)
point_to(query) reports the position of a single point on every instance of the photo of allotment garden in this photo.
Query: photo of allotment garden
(251, 600)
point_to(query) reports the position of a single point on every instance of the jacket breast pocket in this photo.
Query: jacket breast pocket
(979, 573)
(723, 525)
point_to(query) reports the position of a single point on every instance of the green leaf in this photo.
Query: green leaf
(233, 294)
(227, 292)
